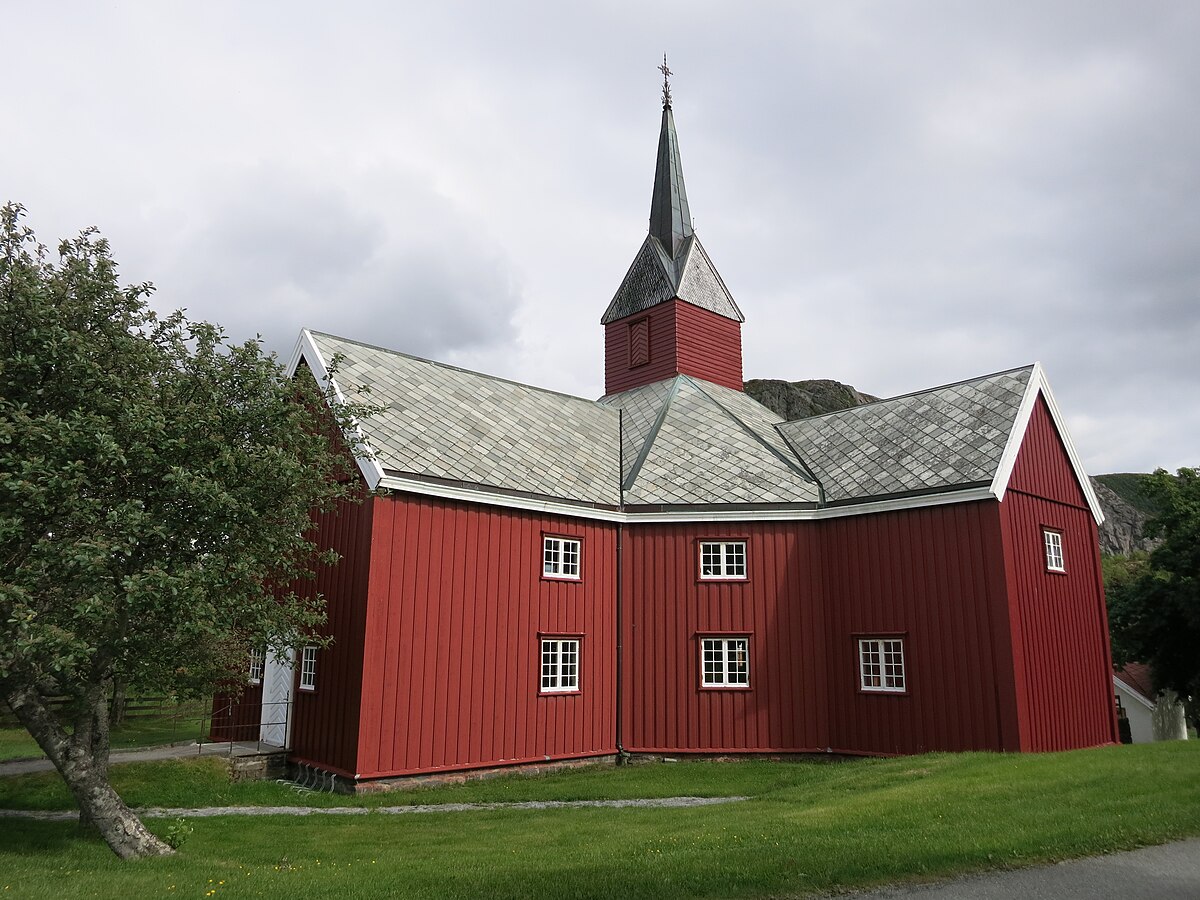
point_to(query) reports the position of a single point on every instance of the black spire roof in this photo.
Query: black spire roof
(671, 262)
(670, 218)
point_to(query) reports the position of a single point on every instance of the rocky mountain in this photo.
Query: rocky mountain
(1125, 508)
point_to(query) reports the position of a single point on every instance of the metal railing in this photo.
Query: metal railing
(233, 722)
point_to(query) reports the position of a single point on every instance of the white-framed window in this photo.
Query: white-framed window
(725, 662)
(308, 669)
(722, 559)
(560, 665)
(560, 557)
(258, 661)
(1054, 550)
(881, 664)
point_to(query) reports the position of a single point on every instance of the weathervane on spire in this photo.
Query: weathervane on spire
(666, 73)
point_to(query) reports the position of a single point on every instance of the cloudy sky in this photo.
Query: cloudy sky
(898, 194)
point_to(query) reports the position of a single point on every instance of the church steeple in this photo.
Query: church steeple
(670, 218)
(672, 314)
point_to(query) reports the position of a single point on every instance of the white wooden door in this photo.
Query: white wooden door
(278, 677)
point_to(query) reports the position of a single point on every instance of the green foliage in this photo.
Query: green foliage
(807, 828)
(156, 483)
(177, 832)
(1131, 487)
(1154, 602)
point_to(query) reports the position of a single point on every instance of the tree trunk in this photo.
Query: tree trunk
(75, 759)
(117, 716)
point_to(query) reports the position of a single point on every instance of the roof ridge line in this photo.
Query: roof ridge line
(821, 500)
(442, 365)
(636, 468)
(791, 464)
(940, 387)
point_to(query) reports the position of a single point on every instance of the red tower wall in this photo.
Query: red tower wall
(1063, 662)
(452, 656)
(683, 339)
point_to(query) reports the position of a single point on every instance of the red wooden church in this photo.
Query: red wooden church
(673, 568)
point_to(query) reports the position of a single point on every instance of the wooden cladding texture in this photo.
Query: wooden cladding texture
(458, 602)
(668, 610)
(326, 720)
(812, 590)
(680, 339)
(1063, 665)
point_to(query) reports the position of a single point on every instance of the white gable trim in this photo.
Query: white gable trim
(306, 348)
(1016, 437)
(556, 507)
(1133, 692)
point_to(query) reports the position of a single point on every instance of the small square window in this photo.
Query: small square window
(725, 662)
(257, 663)
(560, 665)
(308, 669)
(560, 557)
(881, 665)
(722, 560)
(1054, 550)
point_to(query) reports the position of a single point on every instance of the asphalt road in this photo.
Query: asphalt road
(1169, 872)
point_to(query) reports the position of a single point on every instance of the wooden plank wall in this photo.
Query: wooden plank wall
(452, 652)
(683, 339)
(325, 720)
(667, 609)
(1059, 621)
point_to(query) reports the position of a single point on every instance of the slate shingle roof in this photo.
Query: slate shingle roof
(707, 445)
(939, 439)
(442, 422)
(656, 278)
(678, 442)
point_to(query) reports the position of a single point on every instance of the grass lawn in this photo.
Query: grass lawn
(807, 827)
(183, 723)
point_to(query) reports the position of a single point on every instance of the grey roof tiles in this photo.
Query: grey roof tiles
(678, 442)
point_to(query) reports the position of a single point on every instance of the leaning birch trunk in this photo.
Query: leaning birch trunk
(99, 804)
(1167, 720)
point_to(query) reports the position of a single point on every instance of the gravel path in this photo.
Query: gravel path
(204, 812)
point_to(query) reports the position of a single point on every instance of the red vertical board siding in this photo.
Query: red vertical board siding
(1059, 622)
(237, 716)
(684, 339)
(666, 610)
(325, 723)
(455, 683)
(931, 576)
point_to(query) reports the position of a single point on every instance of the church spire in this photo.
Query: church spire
(670, 218)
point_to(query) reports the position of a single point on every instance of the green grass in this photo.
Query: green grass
(809, 827)
(1130, 487)
(182, 723)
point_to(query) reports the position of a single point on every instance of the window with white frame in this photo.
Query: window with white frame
(725, 662)
(881, 664)
(308, 669)
(560, 665)
(257, 662)
(560, 557)
(722, 559)
(1054, 550)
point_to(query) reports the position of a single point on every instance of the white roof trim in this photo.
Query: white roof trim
(1134, 692)
(556, 507)
(306, 349)
(1016, 437)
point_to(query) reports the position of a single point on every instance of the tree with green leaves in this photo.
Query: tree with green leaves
(1154, 601)
(156, 490)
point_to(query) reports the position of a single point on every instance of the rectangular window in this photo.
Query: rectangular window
(560, 665)
(725, 662)
(257, 661)
(722, 559)
(560, 557)
(308, 669)
(1054, 550)
(881, 664)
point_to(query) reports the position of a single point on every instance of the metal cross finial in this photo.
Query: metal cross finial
(666, 73)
